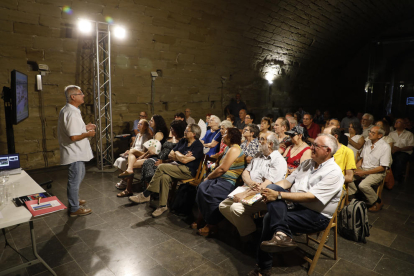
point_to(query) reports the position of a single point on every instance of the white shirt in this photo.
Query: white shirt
(325, 183)
(140, 141)
(380, 155)
(272, 167)
(405, 139)
(190, 120)
(70, 123)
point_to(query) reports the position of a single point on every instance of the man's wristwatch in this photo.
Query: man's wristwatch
(279, 196)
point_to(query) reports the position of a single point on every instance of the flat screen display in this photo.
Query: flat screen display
(19, 96)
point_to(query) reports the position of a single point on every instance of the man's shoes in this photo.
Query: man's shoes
(376, 207)
(159, 211)
(125, 174)
(81, 212)
(82, 202)
(140, 198)
(278, 243)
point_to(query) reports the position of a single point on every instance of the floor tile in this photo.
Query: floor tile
(102, 205)
(144, 235)
(169, 224)
(80, 223)
(175, 257)
(392, 266)
(207, 269)
(66, 235)
(188, 237)
(86, 258)
(68, 269)
(101, 236)
(21, 233)
(215, 251)
(120, 218)
(403, 244)
(345, 268)
(380, 236)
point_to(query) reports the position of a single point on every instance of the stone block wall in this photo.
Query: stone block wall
(195, 43)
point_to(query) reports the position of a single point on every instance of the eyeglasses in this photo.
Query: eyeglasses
(372, 132)
(318, 146)
(262, 139)
(143, 116)
(247, 117)
(246, 130)
(186, 131)
(78, 94)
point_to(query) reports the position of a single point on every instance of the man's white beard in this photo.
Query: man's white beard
(264, 149)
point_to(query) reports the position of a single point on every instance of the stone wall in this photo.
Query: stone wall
(207, 50)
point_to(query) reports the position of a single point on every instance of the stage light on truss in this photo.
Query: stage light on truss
(119, 32)
(84, 26)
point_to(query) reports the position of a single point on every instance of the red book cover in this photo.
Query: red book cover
(47, 205)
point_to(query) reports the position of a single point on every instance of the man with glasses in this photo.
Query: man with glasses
(366, 122)
(240, 124)
(267, 167)
(315, 190)
(75, 149)
(371, 168)
(312, 128)
(188, 118)
(187, 155)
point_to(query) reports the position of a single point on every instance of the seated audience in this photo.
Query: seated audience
(150, 165)
(265, 125)
(299, 151)
(371, 168)
(344, 156)
(267, 167)
(187, 154)
(122, 161)
(342, 139)
(208, 120)
(224, 125)
(402, 149)
(281, 126)
(408, 124)
(349, 119)
(298, 117)
(355, 139)
(367, 120)
(271, 118)
(315, 190)
(213, 136)
(188, 118)
(240, 123)
(232, 119)
(220, 183)
(326, 124)
(250, 146)
(136, 159)
(312, 128)
(335, 123)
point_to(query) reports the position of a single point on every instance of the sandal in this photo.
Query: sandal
(125, 194)
(121, 185)
(125, 174)
(208, 230)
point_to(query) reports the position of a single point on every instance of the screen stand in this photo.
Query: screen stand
(9, 125)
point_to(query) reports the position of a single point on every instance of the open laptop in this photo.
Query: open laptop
(11, 163)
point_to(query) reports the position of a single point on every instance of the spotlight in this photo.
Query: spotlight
(269, 78)
(270, 81)
(85, 26)
(119, 32)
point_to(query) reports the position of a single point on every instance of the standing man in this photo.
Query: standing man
(312, 128)
(188, 118)
(366, 123)
(75, 148)
(349, 119)
(235, 106)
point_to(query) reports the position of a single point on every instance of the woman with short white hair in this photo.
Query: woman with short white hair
(213, 136)
(224, 125)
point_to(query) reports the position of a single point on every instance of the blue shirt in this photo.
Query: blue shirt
(209, 137)
(196, 149)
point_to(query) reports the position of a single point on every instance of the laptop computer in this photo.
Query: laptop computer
(10, 162)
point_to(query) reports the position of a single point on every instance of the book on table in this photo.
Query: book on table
(44, 206)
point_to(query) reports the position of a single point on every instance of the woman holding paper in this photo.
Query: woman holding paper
(220, 183)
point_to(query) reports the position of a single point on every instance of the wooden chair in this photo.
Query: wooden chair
(332, 224)
(202, 167)
(381, 186)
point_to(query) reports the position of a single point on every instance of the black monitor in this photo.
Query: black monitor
(19, 96)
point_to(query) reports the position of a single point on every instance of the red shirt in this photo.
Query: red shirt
(313, 131)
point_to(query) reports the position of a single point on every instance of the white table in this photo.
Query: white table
(13, 215)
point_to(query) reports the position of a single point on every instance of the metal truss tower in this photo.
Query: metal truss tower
(102, 96)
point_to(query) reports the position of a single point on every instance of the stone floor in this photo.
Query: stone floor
(123, 239)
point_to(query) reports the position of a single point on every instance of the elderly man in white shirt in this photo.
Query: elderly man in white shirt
(402, 148)
(315, 190)
(75, 148)
(188, 118)
(371, 168)
(267, 167)
(366, 122)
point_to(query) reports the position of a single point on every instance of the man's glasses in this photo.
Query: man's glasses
(78, 94)
(262, 139)
(143, 116)
(246, 130)
(318, 146)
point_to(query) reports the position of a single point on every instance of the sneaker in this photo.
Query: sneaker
(159, 211)
(81, 212)
(121, 185)
(140, 198)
